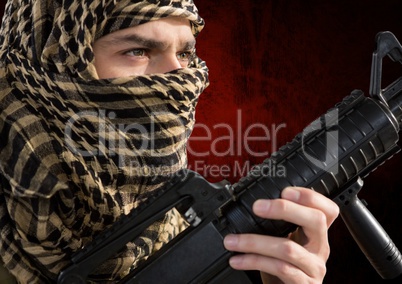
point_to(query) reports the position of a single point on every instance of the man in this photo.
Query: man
(97, 105)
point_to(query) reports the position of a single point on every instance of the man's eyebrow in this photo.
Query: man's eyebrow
(147, 42)
(189, 45)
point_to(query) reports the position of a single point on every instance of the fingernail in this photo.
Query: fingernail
(231, 241)
(235, 261)
(261, 206)
(291, 194)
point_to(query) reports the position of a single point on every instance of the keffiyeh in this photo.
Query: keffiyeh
(76, 152)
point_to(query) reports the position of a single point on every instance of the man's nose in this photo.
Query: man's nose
(170, 63)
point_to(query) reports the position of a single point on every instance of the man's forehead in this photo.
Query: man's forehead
(147, 41)
(157, 34)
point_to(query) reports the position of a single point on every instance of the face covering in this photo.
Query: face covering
(77, 152)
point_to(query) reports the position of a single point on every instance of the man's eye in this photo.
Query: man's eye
(136, 52)
(185, 56)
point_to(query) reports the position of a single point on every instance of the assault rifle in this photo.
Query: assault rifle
(331, 156)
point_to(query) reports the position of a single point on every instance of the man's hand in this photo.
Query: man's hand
(302, 257)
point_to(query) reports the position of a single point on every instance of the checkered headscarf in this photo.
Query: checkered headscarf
(77, 152)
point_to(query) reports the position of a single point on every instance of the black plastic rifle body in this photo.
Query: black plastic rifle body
(331, 156)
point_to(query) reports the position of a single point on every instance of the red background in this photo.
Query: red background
(288, 62)
(280, 61)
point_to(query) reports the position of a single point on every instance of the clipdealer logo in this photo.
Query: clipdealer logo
(325, 157)
(234, 140)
